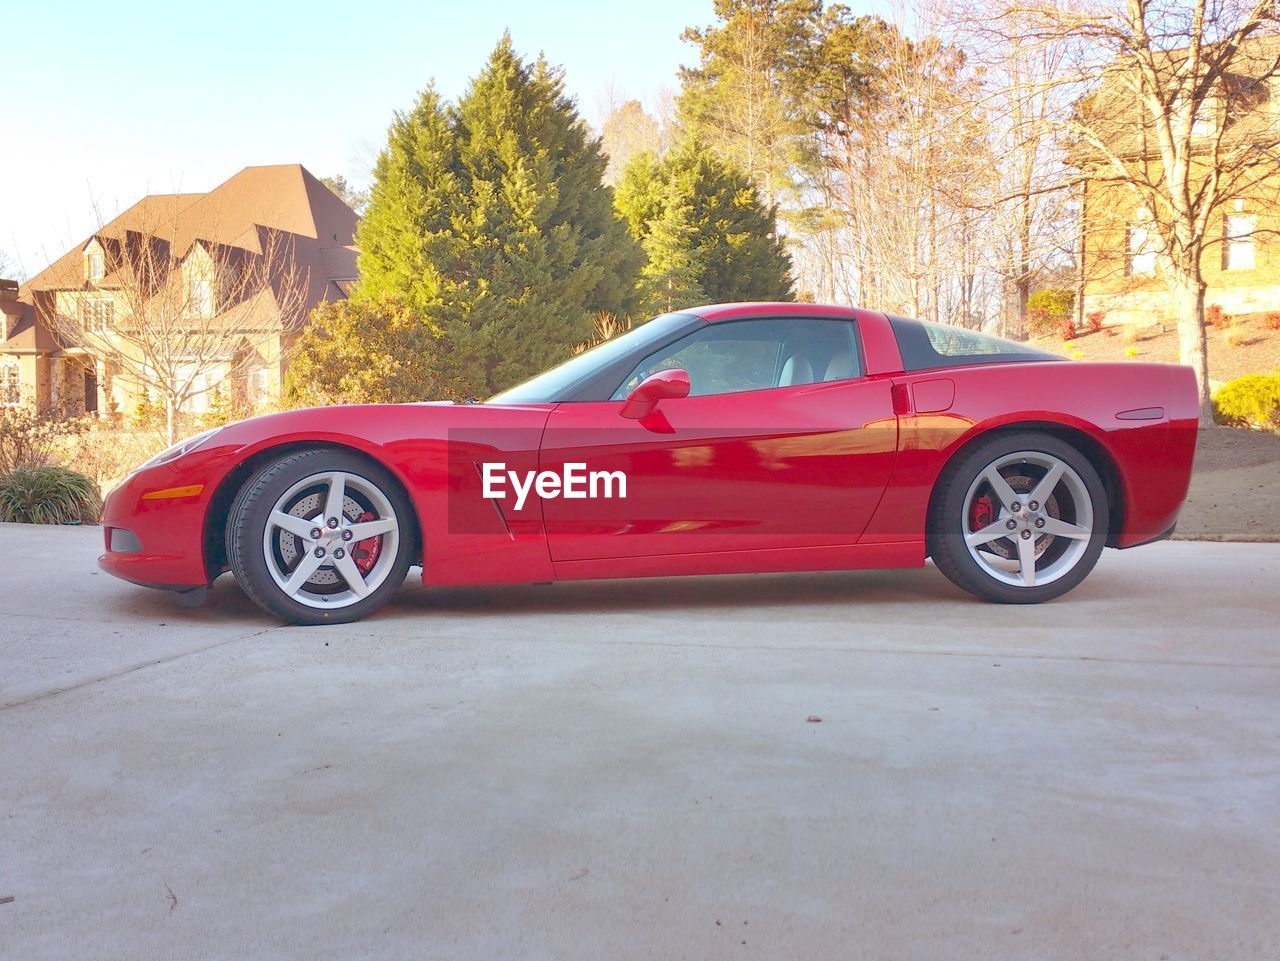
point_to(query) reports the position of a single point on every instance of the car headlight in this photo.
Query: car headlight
(177, 450)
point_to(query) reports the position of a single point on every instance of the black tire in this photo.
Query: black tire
(950, 517)
(247, 529)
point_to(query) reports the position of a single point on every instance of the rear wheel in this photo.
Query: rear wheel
(1019, 519)
(320, 537)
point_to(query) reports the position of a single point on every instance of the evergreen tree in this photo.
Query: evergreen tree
(739, 97)
(639, 194)
(407, 236)
(491, 221)
(706, 235)
(672, 277)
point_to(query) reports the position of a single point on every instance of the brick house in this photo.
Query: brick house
(36, 365)
(1119, 268)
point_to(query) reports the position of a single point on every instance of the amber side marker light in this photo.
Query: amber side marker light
(191, 490)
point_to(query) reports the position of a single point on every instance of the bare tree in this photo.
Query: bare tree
(627, 130)
(896, 157)
(177, 316)
(1032, 213)
(736, 96)
(357, 198)
(1165, 129)
(9, 268)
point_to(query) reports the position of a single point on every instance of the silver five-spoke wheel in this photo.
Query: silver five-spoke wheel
(1019, 517)
(321, 536)
(1028, 518)
(331, 539)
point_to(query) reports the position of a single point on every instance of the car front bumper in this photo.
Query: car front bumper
(153, 529)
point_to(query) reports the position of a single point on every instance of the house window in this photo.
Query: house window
(1142, 247)
(1205, 121)
(201, 296)
(258, 386)
(10, 383)
(95, 265)
(1238, 248)
(96, 315)
(204, 383)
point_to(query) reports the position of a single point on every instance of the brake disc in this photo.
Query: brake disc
(289, 545)
(1003, 547)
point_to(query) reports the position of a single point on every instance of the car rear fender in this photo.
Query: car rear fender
(1130, 420)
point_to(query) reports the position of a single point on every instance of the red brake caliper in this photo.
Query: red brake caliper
(366, 551)
(981, 514)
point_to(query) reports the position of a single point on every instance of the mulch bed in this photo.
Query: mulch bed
(1235, 487)
(1249, 346)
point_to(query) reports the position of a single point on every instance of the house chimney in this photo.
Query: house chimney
(8, 290)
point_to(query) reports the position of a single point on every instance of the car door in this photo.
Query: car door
(781, 443)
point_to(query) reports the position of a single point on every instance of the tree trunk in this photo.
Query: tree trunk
(1024, 297)
(1080, 274)
(1024, 265)
(1193, 345)
(169, 419)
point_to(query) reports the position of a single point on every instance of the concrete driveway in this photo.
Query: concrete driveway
(625, 770)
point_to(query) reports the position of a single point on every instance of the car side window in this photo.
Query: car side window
(732, 356)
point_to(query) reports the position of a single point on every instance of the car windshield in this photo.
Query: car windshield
(553, 384)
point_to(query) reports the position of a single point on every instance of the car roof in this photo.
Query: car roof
(764, 308)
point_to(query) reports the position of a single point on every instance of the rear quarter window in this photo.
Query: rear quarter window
(929, 346)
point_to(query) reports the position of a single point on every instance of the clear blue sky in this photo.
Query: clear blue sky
(106, 102)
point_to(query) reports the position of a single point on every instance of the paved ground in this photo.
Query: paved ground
(624, 770)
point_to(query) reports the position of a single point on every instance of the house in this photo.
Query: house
(245, 227)
(1120, 267)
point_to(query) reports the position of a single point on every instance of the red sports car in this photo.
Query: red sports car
(726, 439)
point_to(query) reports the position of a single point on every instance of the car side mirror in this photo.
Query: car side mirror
(663, 384)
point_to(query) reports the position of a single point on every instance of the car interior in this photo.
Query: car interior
(756, 355)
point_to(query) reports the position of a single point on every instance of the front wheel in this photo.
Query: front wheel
(1019, 519)
(320, 537)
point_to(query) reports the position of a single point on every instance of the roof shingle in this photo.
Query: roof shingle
(318, 228)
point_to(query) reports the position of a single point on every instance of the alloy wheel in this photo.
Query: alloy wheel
(1028, 518)
(331, 540)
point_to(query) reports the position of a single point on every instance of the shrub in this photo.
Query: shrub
(48, 495)
(367, 352)
(1048, 309)
(1066, 328)
(30, 439)
(1272, 320)
(1095, 319)
(105, 455)
(1215, 316)
(607, 327)
(147, 413)
(1057, 302)
(1249, 401)
(1038, 322)
(225, 408)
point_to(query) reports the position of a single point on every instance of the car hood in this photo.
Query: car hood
(375, 422)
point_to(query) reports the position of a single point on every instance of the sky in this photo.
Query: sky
(104, 103)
